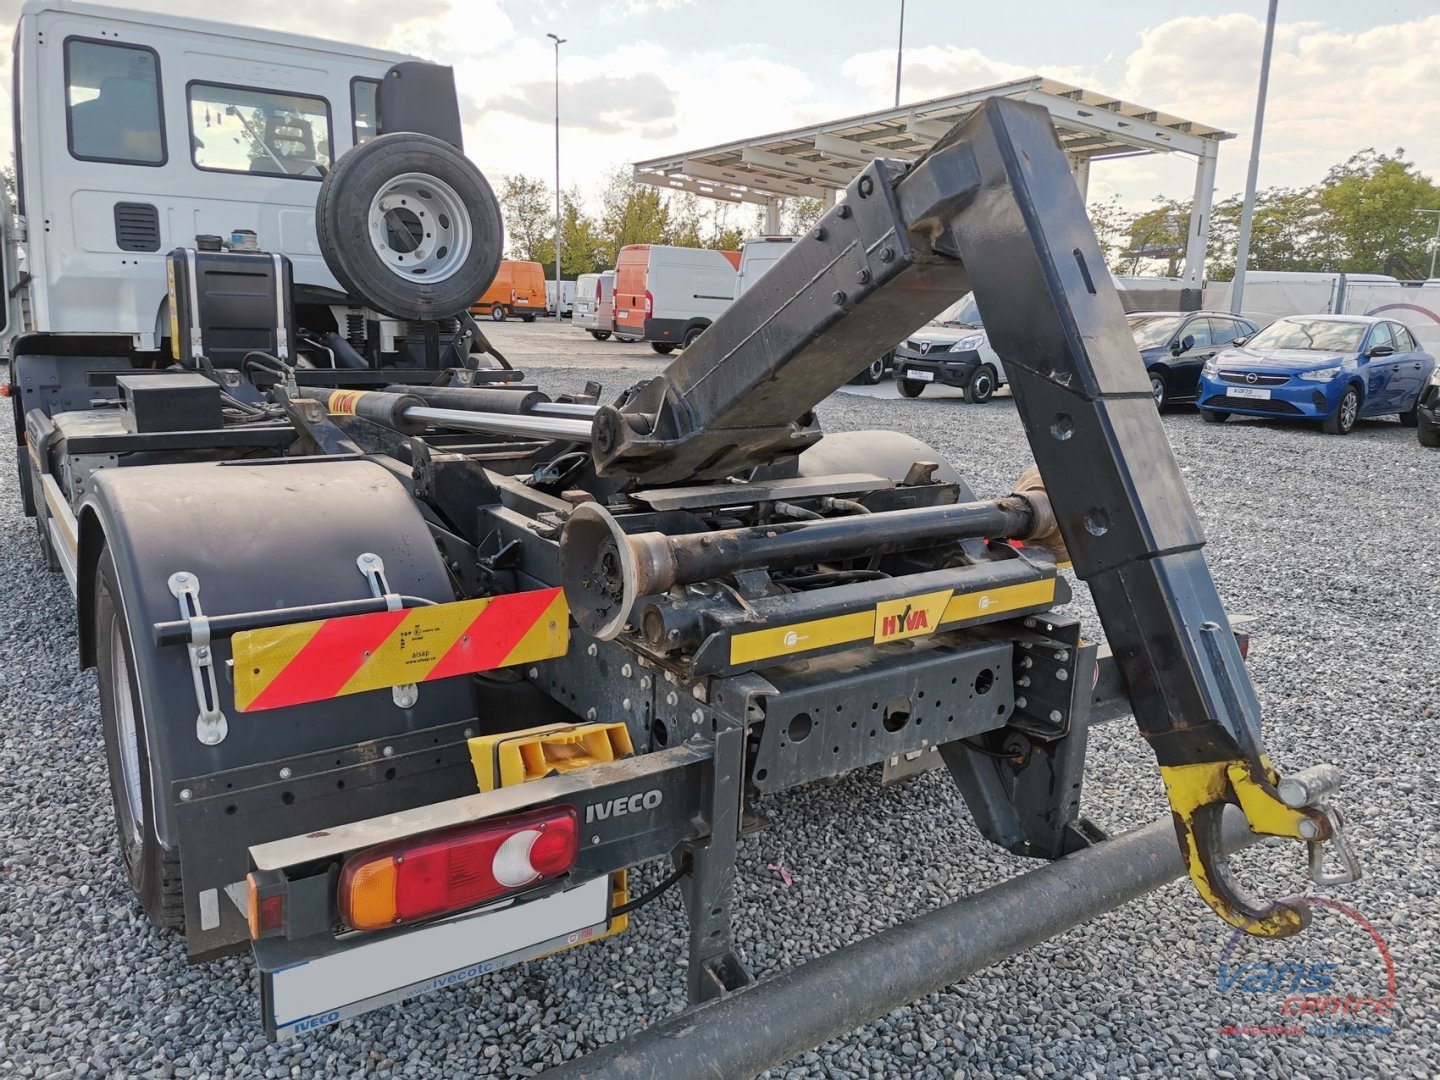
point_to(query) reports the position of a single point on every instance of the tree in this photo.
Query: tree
(1369, 205)
(799, 215)
(529, 212)
(583, 248)
(1111, 223)
(634, 213)
(1161, 234)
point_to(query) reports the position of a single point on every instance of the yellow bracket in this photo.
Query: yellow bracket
(1198, 794)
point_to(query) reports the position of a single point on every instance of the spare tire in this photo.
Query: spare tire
(409, 225)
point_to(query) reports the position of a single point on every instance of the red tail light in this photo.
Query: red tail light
(512, 296)
(415, 879)
(597, 292)
(649, 304)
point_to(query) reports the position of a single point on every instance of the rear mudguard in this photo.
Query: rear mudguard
(257, 536)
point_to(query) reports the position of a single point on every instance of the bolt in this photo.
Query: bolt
(1308, 830)
(1030, 623)
(862, 276)
(388, 751)
(672, 699)
(1019, 703)
(469, 733)
(185, 794)
(590, 714)
(838, 296)
(625, 704)
(594, 839)
(887, 254)
(1026, 662)
(533, 673)
(706, 541)
(866, 187)
(672, 635)
(1062, 655)
(592, 650)
(1062, 674)
(1056, 716)
(626, 671)
(202, 653)
(645, 682)
(285, 773)
(819, 232)
(698, 716)
(698, 691)
(1023, 680)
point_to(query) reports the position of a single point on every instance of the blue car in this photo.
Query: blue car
(1332, 368)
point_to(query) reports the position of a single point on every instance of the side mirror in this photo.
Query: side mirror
(1185, 344)
(1381, 350)
(1237, 341)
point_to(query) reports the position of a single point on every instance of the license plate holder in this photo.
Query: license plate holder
(1254, 393)
(919, 375)
(299, 997)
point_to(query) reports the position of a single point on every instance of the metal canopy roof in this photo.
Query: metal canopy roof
(814, 161)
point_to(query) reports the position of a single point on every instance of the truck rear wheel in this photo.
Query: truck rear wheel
(27, 493)
(153, 869)
(42, 518)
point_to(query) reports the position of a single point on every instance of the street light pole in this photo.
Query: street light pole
(1247, 211)
(1434, 244)
(899, 53)
(558, 297)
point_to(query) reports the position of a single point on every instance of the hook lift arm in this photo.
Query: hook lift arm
(993, 206)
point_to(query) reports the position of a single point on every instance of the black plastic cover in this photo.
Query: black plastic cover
(224, 304)
(416, 96)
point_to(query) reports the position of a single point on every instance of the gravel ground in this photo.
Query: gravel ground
(1331, 541)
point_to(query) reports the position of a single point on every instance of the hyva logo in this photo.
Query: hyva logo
(625, 804)
(907, 622)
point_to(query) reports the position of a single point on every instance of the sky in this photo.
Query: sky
(642, 78)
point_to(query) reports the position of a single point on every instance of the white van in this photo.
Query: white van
(669, 295)
(757, 255)
(595, 304)
(567, 298)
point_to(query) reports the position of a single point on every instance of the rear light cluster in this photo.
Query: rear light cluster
(416, 879)
(649, 304)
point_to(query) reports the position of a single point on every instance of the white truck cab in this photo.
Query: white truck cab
(137, 133)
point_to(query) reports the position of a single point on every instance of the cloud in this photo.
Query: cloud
(936, 70)
(607, 104)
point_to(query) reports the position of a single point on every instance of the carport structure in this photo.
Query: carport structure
(818, 161)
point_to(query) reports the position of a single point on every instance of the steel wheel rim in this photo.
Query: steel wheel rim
(982, 385)
(127, 732)
(1349, 405)
(1157, 388)
(877, 370)
(416, 203)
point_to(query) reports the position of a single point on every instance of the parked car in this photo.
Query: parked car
(669, 295)
(1176, 344)
(951, 349)
(1427, 413)
(1331, 368)
(518, 290)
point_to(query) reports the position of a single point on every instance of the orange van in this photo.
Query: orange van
(518, 290)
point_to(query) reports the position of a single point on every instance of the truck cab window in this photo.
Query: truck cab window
(363, 94)
(112, 103)
(239, 129)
